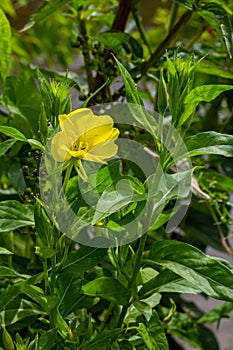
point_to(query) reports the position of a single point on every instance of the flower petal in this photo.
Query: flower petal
(59, 147)
(101, 152)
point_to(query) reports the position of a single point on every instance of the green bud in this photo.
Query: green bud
(7, 340)
(162, 101)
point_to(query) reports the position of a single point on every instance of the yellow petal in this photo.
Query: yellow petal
(102, 151)
(59, 149)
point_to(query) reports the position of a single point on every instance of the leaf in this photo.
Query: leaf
(48, 340)
(167, 281)
(47, 302)
(5, 44)
(18, 310)
(132, 93)
(45, 252)
(35, 144)
(216, 314)
(83, 259)
(5, 146)
(217, 16)
(115, 40)
(43, 227)
(210, 142)
(4, 251)
(153, 336)
(21, 97)
(14, 215)
(44, 11)
(107, 288)
(69, 293)
(103, 340)
(12, 132)
(9, 294)
(9, 272)
(112, 200)
(207, 67)
(186, 3)
(213, 276)
(203, 93)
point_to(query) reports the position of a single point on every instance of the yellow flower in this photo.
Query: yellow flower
(84, 136)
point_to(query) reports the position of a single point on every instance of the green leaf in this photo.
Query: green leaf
(103, 340)
(9, 272)
(153, 336)
(132, 93)
(186, 3)
(107, 288)
(48, 8)
(21, 97)
(213, 276)
(212, 179)
(69, 293)
(203, 93)
(35, 144)
(43, 227)
(47, 302)
(210, 142)
(14, 215)
(9, 294)
(208, 67)
(216, 15)
(5, 44)
(83, 259)
(216, 314)
(48, 340)
(5, 146)
(112, 200)
(4, 251)
(17, 310)
(45, 252)
(167, 281)
(13, 132)
(115, 40)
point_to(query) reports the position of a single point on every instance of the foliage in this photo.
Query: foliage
(59, 55)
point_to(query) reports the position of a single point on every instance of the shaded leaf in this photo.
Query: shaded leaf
(6, 145)
(210, 142)
(213, 276)
(83, 259)
(107, 288)
(103, 340)
(203, 93)
(12, 132)
(5, 44)
(14, 215)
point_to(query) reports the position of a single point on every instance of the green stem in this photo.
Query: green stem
(46, 276)
(85, 51)
(53, 274)
(67, 176)
(106, 317)
(174, 13)
(131, 284)
(140, 28)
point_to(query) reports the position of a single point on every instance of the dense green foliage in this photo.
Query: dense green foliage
(59, 55)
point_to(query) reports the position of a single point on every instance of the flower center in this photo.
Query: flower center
(80, 146)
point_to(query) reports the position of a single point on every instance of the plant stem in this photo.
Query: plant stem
(85, 51)
(46, 278)
(166, 42)
(67, 176)
(131, 284)
(174, 12)
(140, 28)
